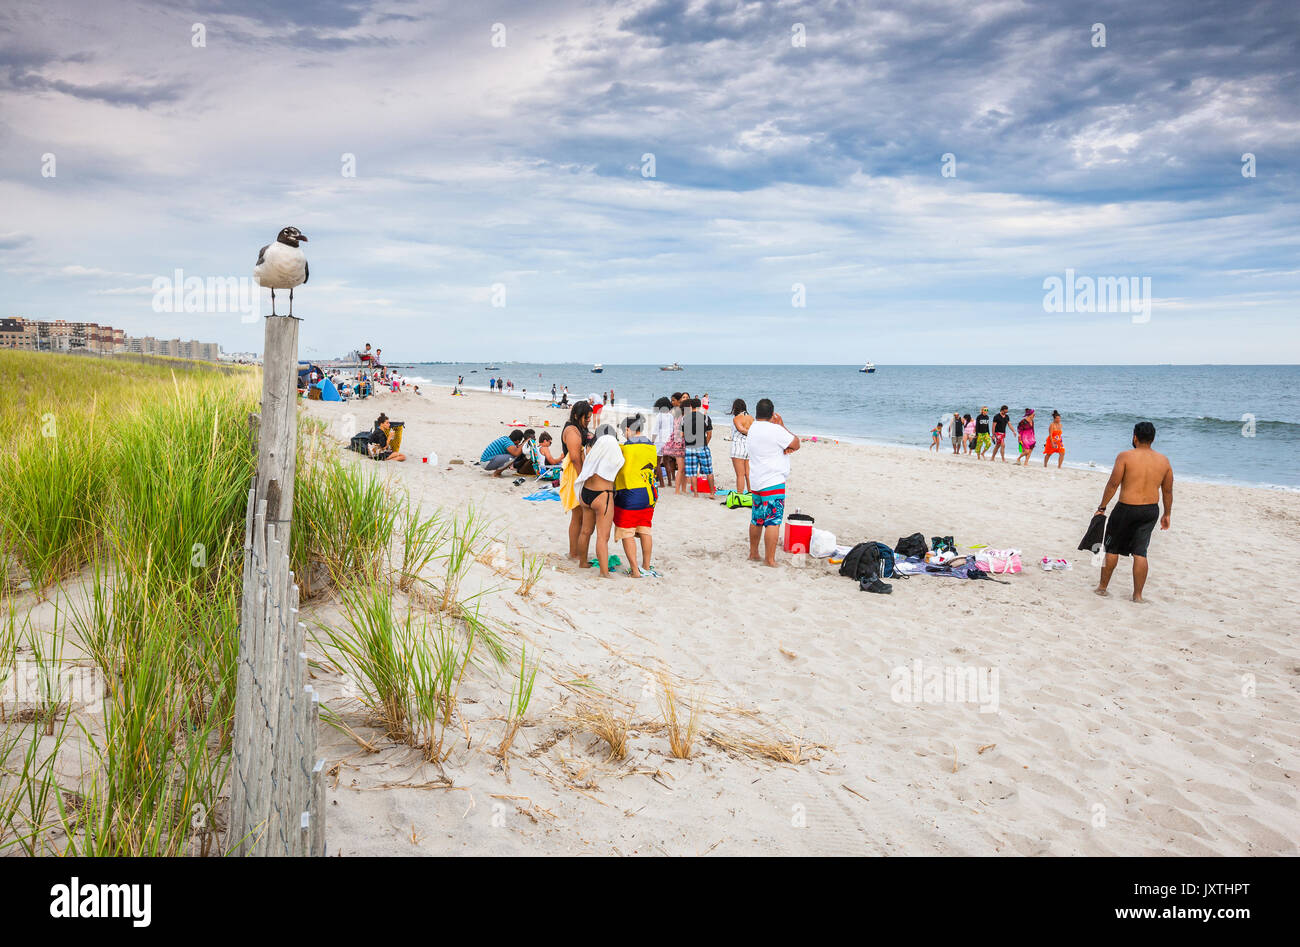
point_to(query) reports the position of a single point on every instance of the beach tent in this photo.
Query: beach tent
(304, 373)
(327, 390)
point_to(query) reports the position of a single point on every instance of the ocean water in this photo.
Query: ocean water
(1222, 423)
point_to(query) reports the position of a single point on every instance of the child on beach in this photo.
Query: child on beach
(1055, 444)
(968, 432)
(544, 448)
(635, 495)
(935, 433)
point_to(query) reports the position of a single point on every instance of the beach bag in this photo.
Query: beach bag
(913, 545)
(360, 443)
(862, 561)
(735, 500)
(822, 544)
(998, 561)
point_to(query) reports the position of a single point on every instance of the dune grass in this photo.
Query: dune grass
(344, 521)
(139, 470)
(127, 484)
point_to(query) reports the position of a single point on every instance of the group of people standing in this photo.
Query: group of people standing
(607, 484)
(612, 476)
(984, 434)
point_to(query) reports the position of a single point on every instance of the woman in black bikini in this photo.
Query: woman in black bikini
(574, 441)
(597, 495)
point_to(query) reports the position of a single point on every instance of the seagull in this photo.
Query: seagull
(281, 265)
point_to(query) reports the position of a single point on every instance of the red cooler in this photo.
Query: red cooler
(798, 533)
(701, 484)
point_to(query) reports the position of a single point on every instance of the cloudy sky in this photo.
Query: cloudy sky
(503, 145)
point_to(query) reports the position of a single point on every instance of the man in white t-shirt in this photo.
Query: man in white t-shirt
(770, 446)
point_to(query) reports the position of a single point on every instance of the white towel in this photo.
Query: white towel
(604, 459)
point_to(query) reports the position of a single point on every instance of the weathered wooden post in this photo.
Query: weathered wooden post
(276, 786)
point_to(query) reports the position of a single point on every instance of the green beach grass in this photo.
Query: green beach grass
(122, 502)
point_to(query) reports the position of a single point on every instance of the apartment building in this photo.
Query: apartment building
(63, 336)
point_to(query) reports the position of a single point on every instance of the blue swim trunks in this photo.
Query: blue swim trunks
(769, 506)
(699, 462)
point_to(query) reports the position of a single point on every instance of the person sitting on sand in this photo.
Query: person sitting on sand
(635, 495)
(503, 453)
(379, 438)
(1138, 474)
(1054, 443)
(544, 442)
(770, 446)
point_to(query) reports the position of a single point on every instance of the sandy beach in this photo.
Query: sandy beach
(1169, 728)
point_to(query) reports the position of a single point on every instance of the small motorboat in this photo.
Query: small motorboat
(597, 368)
(674, 367)
(492, 368)
(868, 369)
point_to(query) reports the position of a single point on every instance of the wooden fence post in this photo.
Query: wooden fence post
(276, 798)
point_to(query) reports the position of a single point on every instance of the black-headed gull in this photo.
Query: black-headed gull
(281, 265)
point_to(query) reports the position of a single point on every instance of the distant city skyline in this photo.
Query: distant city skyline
(640, 182)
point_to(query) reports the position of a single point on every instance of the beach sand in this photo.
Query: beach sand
(1168, 728)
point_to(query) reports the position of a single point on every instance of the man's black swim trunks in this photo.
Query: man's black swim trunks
(1128, 531)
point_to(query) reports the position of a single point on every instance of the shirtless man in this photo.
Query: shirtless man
(1139, 474)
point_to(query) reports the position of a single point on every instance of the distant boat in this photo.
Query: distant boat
(868, 368)
(597, 368)
(492, 368)
(674, 367)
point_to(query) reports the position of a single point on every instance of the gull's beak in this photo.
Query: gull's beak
(302, 237)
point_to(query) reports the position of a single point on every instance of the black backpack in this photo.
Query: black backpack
(360, 443)
(863, 560)
(913, 545)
